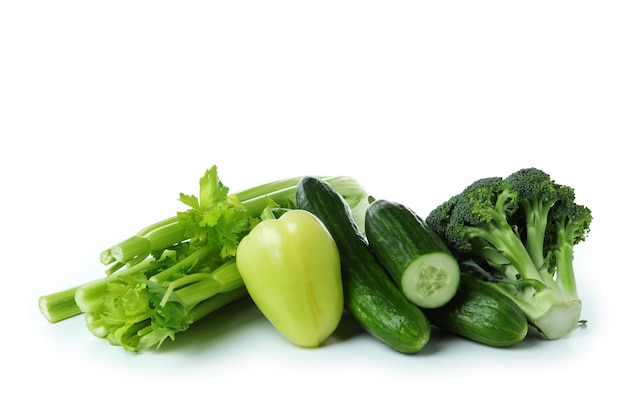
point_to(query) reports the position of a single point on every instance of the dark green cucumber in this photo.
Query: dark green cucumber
(482, 314)
(415, 257)
(370, 295)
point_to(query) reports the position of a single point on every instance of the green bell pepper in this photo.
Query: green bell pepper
(291, 269)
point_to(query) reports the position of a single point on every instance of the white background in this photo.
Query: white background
(109, 109)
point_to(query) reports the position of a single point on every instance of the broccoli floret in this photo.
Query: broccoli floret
(440, 217)
(480, 214)
(570, 225)
(537, 193)
(519, 231)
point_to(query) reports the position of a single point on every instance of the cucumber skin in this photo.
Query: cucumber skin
(370, 294)
(411, 236)
(480, 313)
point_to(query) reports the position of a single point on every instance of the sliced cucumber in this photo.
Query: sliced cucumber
(416, 258)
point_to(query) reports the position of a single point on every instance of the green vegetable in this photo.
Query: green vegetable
(370, 295)
(163, 234)
(171, 274)
(482, 314)
(518, 233)
(291, 269)
(415, 256)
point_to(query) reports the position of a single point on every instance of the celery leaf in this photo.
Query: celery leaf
(216, 218)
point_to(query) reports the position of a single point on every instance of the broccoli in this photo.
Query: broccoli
(570, 225)
(519, 232)
(537, 193)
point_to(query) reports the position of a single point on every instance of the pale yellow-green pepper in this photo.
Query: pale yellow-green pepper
(291, 269)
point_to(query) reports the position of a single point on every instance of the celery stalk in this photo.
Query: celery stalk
(59, 305)
(180, 269)
(169, 231)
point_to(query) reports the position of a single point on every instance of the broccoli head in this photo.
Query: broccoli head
(520, 232)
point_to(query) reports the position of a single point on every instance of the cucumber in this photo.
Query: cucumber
(482, 314)
(415, 257)
(370, 295)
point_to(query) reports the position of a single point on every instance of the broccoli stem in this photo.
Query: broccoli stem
(546, 305)
(552, 307)
(564, 256)
(550, 311)
(536, 216)
(504, 249)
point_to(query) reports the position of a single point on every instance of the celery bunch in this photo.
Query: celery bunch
(177, 271)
